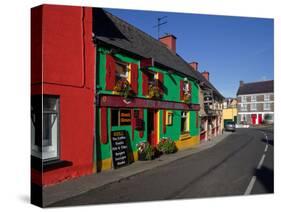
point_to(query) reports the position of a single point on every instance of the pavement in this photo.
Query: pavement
(78, 186)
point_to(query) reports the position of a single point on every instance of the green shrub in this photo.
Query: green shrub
(167, 146)
(146, 151)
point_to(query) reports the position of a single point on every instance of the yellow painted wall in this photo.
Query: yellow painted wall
(229, 113)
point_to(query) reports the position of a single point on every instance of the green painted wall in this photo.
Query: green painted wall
(171, 93)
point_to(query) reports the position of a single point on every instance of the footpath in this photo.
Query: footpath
(71, 188)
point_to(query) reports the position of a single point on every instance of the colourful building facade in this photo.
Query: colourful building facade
(161, 117)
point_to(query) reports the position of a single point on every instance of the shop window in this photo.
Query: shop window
(114, 117)
(184, 122)
(169, 118)
(45, 127)
(120, 117)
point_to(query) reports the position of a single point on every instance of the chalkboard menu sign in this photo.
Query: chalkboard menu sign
(119, 147)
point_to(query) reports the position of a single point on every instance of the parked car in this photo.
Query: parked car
(230, 126)
(243, 124)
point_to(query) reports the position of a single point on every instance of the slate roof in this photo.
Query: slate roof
(256, 87)
(114, 31)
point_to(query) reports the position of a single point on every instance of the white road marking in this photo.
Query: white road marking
(250, 186)
(266, 147)
(261, 161)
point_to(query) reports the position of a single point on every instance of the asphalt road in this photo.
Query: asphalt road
(241, 164)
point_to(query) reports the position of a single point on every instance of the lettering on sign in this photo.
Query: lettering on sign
(119, 148)
(125, 117)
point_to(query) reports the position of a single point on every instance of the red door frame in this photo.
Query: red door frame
(152, 136)
(254, 116)
(260, 118)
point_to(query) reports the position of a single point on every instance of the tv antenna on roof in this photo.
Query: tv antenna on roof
(159, 23)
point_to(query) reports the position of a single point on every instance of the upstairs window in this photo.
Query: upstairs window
(122, 71)
(243, 107)
(121, 74)
(253, 98)
(253, 106)
(266, 106)
(267, 97)
(243, 98)
(185, 90)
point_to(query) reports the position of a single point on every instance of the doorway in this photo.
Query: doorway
(152, 126)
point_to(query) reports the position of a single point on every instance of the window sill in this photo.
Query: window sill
(39, 165)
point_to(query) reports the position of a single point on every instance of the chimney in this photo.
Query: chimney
(194, 65)
(241, 83)
(170, 41)
(206, 75)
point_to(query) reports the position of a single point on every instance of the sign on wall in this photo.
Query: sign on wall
(125, 117)
(119, 148)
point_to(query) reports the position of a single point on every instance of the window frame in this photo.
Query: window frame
(266, 108)
(243, 107)
(253, 98)
(266, 97)
(37, 151)
(243, 99)
(117, 74)
(186, 115)
(169, 118)
(252, 106)
(119, 122)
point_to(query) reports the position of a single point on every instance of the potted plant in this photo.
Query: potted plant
(167, 146)
(154, 92)
(145, 151)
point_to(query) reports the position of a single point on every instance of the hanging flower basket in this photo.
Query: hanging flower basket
(154, 92)
(123, 88)
(187, 98)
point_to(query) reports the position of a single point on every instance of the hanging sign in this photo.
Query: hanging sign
(119, 148)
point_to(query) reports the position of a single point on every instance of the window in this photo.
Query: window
(169, 118)
(121, 70)
(184, 122)
(45, 127)
(120, 117)
(243, 107)
(151, 78)
(266, 97)
(253, 98)
(243, 98)
(253, 106)
(266, 106)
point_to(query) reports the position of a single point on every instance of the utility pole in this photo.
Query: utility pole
(159, 23)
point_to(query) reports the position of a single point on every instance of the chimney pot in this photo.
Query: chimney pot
(170, 41)
(206, 75)
(241, 83)
(194, 65)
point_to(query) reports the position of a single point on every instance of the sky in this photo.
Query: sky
(229, 48)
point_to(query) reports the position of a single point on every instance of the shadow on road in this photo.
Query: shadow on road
(268, 141)
(266, 178)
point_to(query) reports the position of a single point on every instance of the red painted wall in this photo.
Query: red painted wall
(62, 49)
